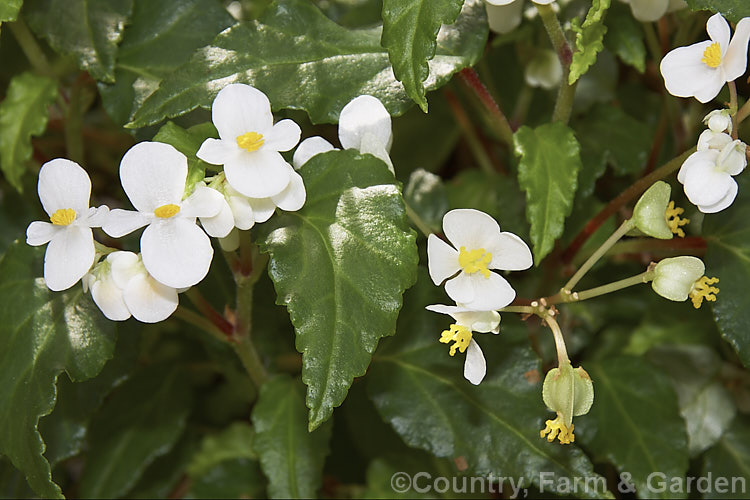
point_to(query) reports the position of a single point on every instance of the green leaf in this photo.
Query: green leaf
(427, 196)
(87, 29)
(236, 441)
(548, 173)
(42, 333)
(420, 390)
(635, 422)
(410, 29)
(730, 459)
(728, 258)
(160, 37)
(9, 10)
(625, 37)
(319, 67)
(341, 264)
(589, 39)
(23, 113)
(291, 457)
(188, 142)
(141, 421)
(734, 10)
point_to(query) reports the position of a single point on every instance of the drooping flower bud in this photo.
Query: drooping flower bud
(569, 392)
(656, 216)
(678, 278)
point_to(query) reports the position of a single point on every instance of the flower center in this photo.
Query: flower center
(702, 289)
(250, 141)
(459, 335)
(673, 219)
(63, 217)
(474, 261)
(555, 427)
(712, 55)
(166, 211)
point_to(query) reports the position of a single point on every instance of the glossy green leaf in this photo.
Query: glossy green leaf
(159, 38)
(589, 39)
(9, 10)
(410, 29)
(291, 457)
(341, 264)
(236, 441)
(42, 333)
(730, 459)
(141, 421)
(548, 172)
(635, 422)
(625, 37)
(733, 10)
(420, 390)
(23, 113)
(728, 258)
(237, 478)
(319, 67)
(87, 29)
(188, 142)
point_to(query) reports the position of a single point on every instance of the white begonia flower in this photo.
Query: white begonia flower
(461, 334)
(504, 16)
(174, 249)
(64, 189)
(718, 121)
(250, 142)
(680, 278)
(701, 70)
(653, 10)
(707, 175)
(478, 246)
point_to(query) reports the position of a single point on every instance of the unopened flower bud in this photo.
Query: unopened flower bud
(544, 70)
(656, 216)
(569, 392)
(719, 121)
(678, 278)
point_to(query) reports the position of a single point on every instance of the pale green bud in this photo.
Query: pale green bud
(569, 392)
(656, 216)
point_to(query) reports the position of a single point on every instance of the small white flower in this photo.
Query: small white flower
(713, 140)
(719, 120)
(461, 334)
(652, 10)
(174, 249)
(64, 189)
(364, 125)
(701, 70)
(478, 246)
(249, 142)
(504, 16)
(707, 175)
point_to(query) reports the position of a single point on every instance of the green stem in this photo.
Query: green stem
(566, 296)
(30, 47)
(562, 352)
(74, 124)
(208, 311)
(483, 159)
(743, 113)
(199, 321)
(566, 94)
(519, 309)
(417, 220)
(652, 41)
(733, 108)
(499, 122)
(598, 254)
(244, 346)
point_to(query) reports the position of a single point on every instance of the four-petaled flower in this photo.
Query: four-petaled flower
(64, 190)
(478, 247)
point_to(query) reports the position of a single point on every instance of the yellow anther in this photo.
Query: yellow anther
(674, 221)
(557, 429)
(63, 217)
(475, 261)
(702, 289)
(460, 335)
(712, 55)
(166, 211)
(250, 141)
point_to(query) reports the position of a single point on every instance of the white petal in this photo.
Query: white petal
(509, 253)
(364, 116)
(648, 10)
(123, 266)
(263, 209)
(292, 198)
(153, 174)
(203, 202)
(217, 151)
(684, 73)
(64, 184)
(242, 212)
(711, 87)
(70, 255)
(258, 175)
(239, 109)
(470, 228)
(723, 203)
(718, 30)
(502, 2)
(702, 160)
(475, 367)
(503, 18)
(176, 252)
(121, 222)
(109, 298)
(231, 242)
(713, 140)
(283, 136)
(735, 60)
(39, 233)
(442, 259)
(308, 148)
(220, 224)
(733, 158)
(97, 216)
(479, 293)
(371, 145)
(148, 300)
(706, 186)
(479, 321)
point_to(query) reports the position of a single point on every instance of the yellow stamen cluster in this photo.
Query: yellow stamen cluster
(557, 429)
(166, 211)
(63, 217)
(460, 335)
(674, 221)
(250, 141)
(474, 261)
(702, 289)
(712, 55)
